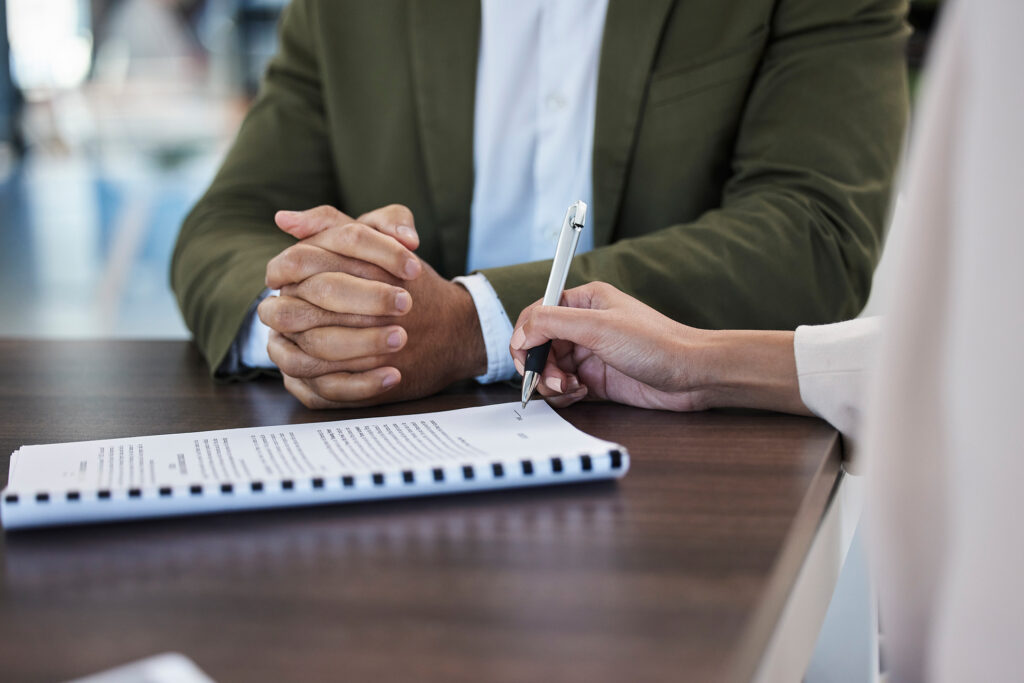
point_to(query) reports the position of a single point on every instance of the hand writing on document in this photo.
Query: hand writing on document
(607, 345)
(361, 319)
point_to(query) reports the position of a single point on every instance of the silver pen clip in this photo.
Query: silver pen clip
(577, 214)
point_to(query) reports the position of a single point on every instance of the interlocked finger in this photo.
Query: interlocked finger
(288, 314)
(348, 343)
(308, 397)
(303, 260)
(292, 360)
(344, 293)
(351, 387)
(394, 220)
(360, 241)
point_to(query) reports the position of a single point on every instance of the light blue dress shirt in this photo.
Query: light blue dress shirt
(536, 92)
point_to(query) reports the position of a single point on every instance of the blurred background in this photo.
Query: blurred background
(114, 115)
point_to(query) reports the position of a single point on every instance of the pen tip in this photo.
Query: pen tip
(530, 380)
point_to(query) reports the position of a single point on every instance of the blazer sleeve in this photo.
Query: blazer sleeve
(280, 159)
(798, 232)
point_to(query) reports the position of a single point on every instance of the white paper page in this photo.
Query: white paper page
(170, 667)
(274, 454)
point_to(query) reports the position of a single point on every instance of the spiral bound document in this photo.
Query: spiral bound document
(489, 447)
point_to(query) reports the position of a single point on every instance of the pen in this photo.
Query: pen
(572, 226)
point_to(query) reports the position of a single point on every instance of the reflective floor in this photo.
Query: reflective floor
(85, 244)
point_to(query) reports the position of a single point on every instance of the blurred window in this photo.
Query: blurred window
(51, 43)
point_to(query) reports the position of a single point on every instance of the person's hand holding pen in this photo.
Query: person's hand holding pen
(608, 345)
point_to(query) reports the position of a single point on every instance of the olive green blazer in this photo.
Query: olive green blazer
(744, 152)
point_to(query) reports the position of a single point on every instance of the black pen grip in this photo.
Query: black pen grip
(537, 357)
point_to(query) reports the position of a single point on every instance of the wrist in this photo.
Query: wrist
(469, 351)
(753, 369)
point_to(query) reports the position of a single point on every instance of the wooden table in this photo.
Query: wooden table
(678, 572)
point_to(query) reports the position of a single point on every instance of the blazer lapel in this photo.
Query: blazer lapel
(632, 33)
(445, 39)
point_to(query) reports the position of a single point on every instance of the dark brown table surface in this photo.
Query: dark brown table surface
(678, 572)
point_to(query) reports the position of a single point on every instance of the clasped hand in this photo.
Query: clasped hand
(360, 319)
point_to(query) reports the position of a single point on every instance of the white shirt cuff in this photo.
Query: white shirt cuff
(495, 325)
(253, 335)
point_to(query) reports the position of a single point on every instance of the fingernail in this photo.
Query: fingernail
(288, 216)
(395, 339)
(390, 380)
(412, 268)
(403, 301)
(519, 366)
(554, 384)
(518, 337)
(406, 232)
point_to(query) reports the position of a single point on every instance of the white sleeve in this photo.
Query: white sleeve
(494, 324)
(249, 350)
(833, 363)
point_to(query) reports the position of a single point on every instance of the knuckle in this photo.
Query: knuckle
(300, 365)
(287, 267)
(283, 358)
(313, 343)
(400, 211)
(311, 368)
(288, 317)
(606, 294)
(291, 361)
(292, 260)
(318, 288)
(285, 262)
(538, 317)
(276, 268)
(291, 318)
(320, 386)
(305, 342)
(287, 364)
(282, 318)
(324, 211)
(352, 234)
